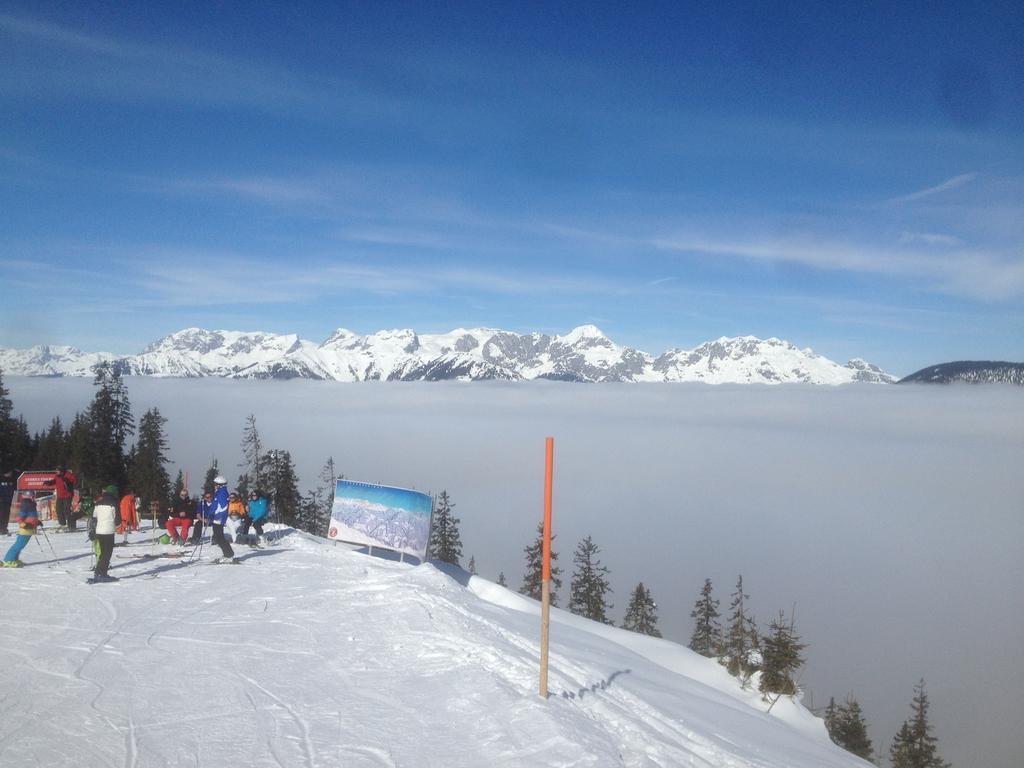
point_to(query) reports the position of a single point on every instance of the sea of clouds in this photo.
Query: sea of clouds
(890, 517)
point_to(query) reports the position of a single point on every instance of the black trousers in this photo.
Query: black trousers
(222, 542)
(64, 512)
(249, 522)
(106, 541)
(5, 515)
(197, 530)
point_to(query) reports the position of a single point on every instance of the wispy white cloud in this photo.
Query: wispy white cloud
(948, 184)
(973, 273)
(930, 238)
(114, 68)
(176, 277)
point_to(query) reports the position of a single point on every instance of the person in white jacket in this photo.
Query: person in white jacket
(108, 518)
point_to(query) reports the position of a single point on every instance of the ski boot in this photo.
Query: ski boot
(13, 564)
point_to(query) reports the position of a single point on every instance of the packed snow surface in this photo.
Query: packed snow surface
(310, 654)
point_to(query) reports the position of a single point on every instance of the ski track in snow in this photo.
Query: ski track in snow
(326, 657)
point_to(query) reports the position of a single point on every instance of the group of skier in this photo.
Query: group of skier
(226, 514)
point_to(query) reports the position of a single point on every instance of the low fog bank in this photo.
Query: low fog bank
(891, 516)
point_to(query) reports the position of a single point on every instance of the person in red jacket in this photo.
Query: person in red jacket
(64, 490)
(129, 517)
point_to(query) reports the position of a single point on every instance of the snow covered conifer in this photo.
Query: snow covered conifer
(589, 587)
(642, 613)
(781, 658)
(472, 564)
(445, 541)
(740, 635)
(914, 745)
(707, 632)
(847, 728)
(502, 581)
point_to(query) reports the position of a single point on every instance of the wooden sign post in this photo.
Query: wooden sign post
(545, 600)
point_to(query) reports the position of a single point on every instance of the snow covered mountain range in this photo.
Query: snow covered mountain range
(583, 354)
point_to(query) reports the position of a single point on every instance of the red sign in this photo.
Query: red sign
(37, 481)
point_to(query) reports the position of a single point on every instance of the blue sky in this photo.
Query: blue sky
(847, 179)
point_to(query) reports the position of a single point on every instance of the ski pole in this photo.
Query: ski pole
(49, 543)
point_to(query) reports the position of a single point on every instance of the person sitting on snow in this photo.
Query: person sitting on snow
(180, 519)
(28, 522)
(236, 513)
(258, 512)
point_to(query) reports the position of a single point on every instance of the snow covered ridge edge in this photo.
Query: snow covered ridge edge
(584, 354)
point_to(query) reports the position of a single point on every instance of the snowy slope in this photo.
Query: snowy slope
(583, 354)
(314, 655)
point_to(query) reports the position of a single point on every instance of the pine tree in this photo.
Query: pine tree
(7, 458)
(252, 450)
(318, 502)
(51, 451)
(914, 745)
(642, 613)
(472, 564)
(308, 518)
(16, 449)
(781, 650)
(76, 444)
(315, 507)
(535, 568)
(445, 540)
(281, 484)
(832, 718)
(741, 636)
(707, 632)
(502, 581)
(211, 473)
(847, 728)
(109, 425)
(148, 471)
(179, 485)
(589, 586)
(242, 486)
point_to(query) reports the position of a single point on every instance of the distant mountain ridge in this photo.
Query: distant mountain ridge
(584, 354)
(969, 371)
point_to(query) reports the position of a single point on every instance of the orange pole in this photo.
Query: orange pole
(545, 601)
